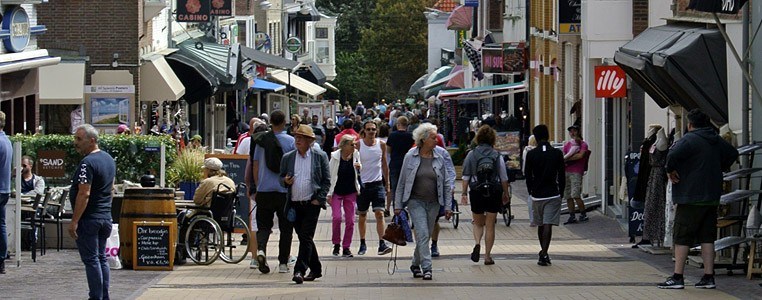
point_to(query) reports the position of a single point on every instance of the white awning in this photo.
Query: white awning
(297, 82)
(158, 82)
(483, 92)
(62, 83)
(331, 87)
(32, 63)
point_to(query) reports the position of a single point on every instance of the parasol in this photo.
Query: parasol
(460, 18)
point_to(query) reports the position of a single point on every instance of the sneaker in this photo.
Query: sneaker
(706, 282)
(347, 253)
(417, 273)
(571, 220)
(672, 283)
(434, 250)
(475, 253)
(282, 268)
(298, 278)
(362, 250)
(583, 218)
(542, 260)
(291, 261)
(427, 275)
(2, 266)
(384, 249)
(336, 249)
(254, 264)
(547, 259)
(386, 213)
(262, 261)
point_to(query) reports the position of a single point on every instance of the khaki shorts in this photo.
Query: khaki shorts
(573, 188)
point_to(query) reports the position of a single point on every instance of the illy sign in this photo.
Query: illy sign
(610, 82)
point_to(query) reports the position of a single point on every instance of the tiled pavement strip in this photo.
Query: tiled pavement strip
(590, 261)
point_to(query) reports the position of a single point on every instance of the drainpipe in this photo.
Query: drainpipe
(745, 86)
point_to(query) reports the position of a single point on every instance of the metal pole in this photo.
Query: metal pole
(745, 86)
(163, 165)
(17, 223)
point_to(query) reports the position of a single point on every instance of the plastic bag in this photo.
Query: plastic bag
(112, 248)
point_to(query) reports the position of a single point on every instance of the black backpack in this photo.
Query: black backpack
(487, 183)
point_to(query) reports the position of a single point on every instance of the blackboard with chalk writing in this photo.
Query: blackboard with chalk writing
(235, 166)
(154, 245)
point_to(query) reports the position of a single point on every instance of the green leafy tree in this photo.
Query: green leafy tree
(395, 46)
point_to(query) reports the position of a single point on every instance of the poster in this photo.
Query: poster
(315, 108)
(109, 111)
(509, 144)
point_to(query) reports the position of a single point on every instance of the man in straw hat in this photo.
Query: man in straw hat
(305, 174)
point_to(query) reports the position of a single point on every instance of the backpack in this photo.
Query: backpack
(487, 183)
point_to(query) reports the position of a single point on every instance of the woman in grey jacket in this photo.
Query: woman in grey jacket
(423, 171)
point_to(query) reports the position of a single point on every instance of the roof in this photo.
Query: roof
(446, 5)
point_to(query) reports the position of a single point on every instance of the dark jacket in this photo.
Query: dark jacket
(699, 158)
(273, 150)
(545, 171)
(321, 177)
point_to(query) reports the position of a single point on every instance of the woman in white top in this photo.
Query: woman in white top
(344, 168)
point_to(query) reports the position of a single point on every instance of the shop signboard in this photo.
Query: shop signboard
(194, 11)
(222, 8)
(108, 106)
(293, 44)
(492, 60)
(262, 42)
(514, 57)
(50, 163)
(16, 24)
(472, 3)
(569, 16)
(715, 6)
(610, 82)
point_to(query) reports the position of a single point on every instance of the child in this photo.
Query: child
(575, 147)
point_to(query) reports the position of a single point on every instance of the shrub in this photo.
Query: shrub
(186, 168)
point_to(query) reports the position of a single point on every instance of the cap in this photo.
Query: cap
(305, 130)
(573, 127)
(121, 128)
(213, 163)
(196, 137)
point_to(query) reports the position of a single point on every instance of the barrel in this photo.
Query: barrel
(144, 204)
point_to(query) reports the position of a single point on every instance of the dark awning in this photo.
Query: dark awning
(680, 65)
(203, 69)
(268, 60)
(311, 71)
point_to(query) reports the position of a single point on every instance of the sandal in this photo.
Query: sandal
(489, 261)
(416, 271)
(427, 275)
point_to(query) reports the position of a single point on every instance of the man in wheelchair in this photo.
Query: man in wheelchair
(216, 181)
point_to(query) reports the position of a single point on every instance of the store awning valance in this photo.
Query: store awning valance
(311, 71)
(299, 83)
(483, 92)
(680, 65)
(62, 84)
(268, 60)
(158, 82)
(261, 84)
(202, 68)
(28, 63)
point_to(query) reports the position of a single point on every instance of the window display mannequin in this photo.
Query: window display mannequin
(656, 190)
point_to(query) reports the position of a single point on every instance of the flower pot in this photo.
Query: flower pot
(189, 188)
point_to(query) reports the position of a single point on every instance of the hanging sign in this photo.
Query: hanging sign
(569, 16)
(610, 82)
(472, 3)
(717, 6)
(16, 23)
(222, 8)
(293, 44)
(196, 11)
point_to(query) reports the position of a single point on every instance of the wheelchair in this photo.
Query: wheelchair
(216, 231)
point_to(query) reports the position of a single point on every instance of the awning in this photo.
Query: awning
(268, 60)
(442, 80)
(62, 84)
(330, 86)
(680, 65)
(28, 63)
(483, 92)
(415, 88)
(299, 83)
(261, 84)
(201, 67)
(158, 82)
(311, 71)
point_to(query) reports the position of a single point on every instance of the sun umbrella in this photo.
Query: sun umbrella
(460, 18)
(457, 81)
(415, 88)
(435, 76)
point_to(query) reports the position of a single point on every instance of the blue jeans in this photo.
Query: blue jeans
(423, 214)
(3, 231)
(91, 242)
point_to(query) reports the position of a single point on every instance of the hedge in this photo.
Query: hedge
(132, 161)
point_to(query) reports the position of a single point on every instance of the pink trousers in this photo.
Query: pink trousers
(347, 202)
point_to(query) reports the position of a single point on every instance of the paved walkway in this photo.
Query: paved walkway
(590, 261)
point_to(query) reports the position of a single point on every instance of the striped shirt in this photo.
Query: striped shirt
(301, 190)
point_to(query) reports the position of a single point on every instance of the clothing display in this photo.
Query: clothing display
(656, 198)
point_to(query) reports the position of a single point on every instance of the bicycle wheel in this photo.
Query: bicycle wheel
(507, 216)
(203, 240)
(233, 251)
(455, 215)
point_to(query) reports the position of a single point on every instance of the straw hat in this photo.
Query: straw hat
(305, 130)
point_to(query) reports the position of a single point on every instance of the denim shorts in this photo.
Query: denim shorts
(372, 194)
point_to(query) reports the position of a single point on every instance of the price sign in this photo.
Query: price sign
(154, 245)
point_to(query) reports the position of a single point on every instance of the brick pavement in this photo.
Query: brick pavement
(590, 261)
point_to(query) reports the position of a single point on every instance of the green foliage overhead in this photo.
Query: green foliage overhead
(132, 161)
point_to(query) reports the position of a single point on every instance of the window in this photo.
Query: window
(322, 52)
(321, 33)
(495, 21)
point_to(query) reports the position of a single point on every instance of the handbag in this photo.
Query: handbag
(394, 233)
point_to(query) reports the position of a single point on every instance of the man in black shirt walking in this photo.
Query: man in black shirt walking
(545, 179)
(90, 193)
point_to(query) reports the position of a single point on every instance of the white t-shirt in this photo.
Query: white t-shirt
(244, 147)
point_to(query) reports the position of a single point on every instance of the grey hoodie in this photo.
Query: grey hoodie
(699, 158)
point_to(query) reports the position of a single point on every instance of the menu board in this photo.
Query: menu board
(509, 144)
(235, 166)
(154, 245)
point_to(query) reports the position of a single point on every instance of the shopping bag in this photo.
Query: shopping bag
(112, 248)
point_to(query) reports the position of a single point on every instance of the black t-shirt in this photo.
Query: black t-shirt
(345, 184)
(400, 142)
(27, 185)
(98, 170)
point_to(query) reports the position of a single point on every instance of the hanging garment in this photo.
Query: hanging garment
(656, 198)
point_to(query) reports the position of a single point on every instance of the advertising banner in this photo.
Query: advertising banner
(194, 11)
(569, 16)
(610, 82)
(222, 8)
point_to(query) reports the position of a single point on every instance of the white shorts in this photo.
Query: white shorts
(253, 219)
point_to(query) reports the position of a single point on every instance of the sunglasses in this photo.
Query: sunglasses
(370, 129)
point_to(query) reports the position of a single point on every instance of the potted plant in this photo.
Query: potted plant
(185, 172)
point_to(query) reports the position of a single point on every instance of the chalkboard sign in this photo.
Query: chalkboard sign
(154, 245)
(235, 166)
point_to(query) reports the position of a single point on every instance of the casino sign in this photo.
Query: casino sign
(16, 31)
